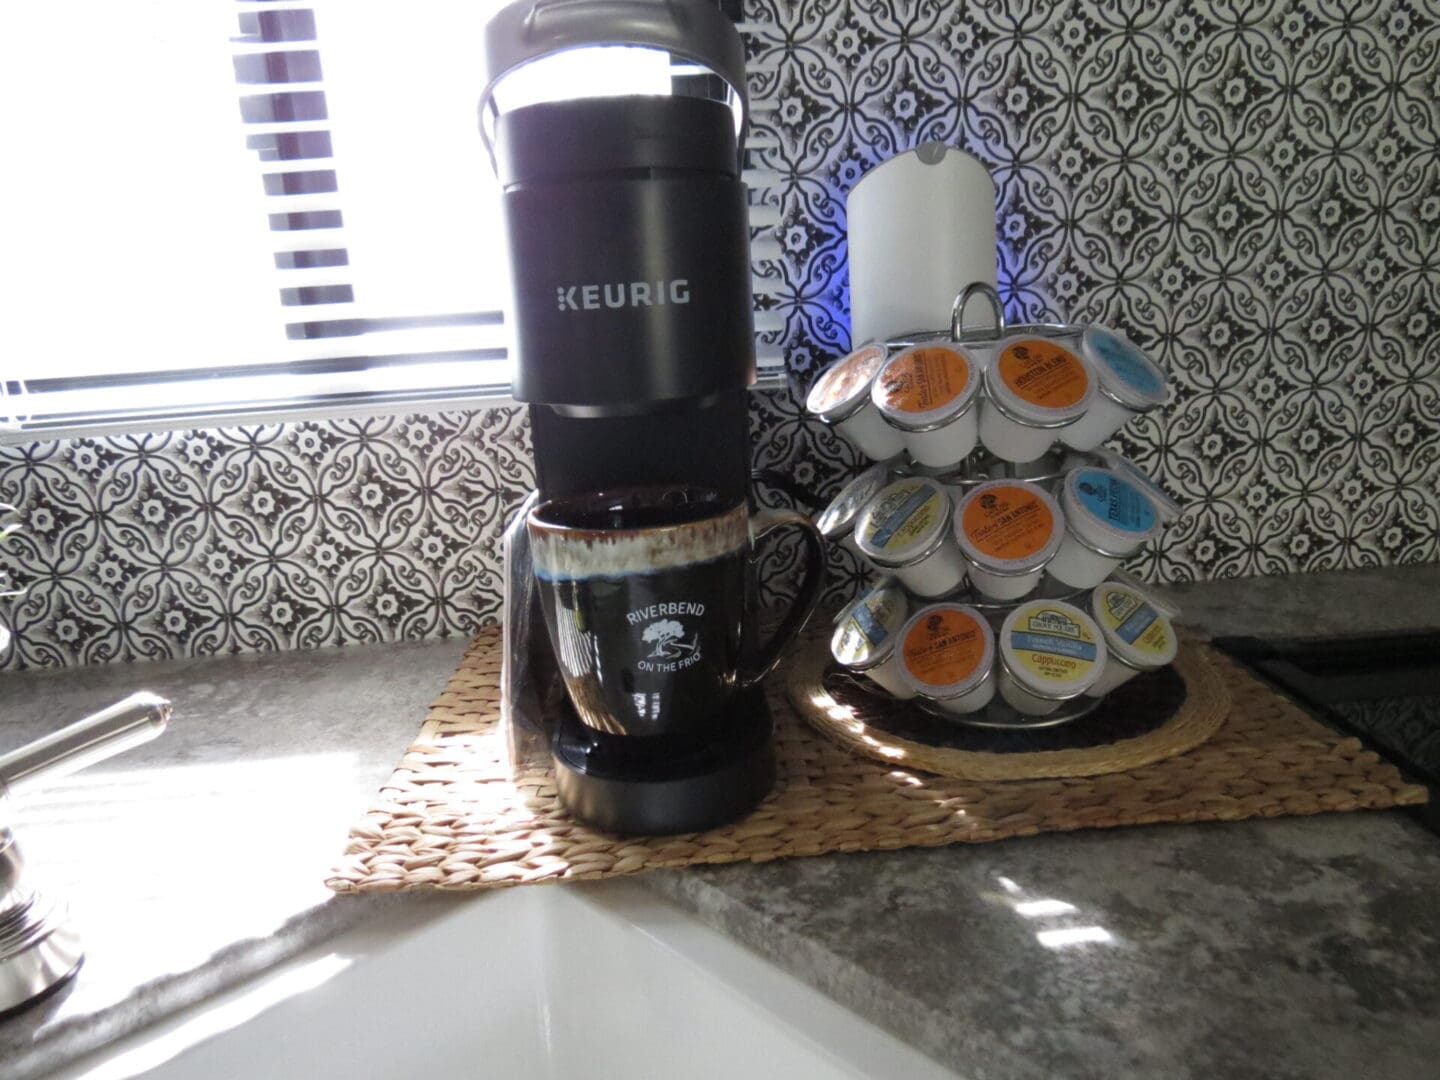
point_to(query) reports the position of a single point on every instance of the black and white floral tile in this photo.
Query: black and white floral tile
(271, 537)
(1249, 189)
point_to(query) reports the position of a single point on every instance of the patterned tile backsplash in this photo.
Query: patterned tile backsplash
(273, 537)
(1250, 190)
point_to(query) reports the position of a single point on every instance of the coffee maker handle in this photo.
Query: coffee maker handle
(767, 655)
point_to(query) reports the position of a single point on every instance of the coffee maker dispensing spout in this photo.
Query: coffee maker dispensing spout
(627, 228)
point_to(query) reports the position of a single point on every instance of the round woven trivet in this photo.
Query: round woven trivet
(1150, 718)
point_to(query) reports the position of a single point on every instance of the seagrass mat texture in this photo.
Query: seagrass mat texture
(453, 817)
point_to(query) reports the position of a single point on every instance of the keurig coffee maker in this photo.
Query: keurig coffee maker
(616, 132)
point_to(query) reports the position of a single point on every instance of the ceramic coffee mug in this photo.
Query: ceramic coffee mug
(644, 592)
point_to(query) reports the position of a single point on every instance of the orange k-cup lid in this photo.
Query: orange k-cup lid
(926, 386)
(1039, 382)
(845, 385)
(946, 650)
(1009, 527)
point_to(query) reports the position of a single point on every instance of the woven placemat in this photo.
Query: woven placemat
(1152, 717)
(452, 816)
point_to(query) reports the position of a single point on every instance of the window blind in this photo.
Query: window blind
(256, 209)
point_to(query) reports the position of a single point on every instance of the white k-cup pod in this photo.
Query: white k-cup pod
(905, 530)
(1034, 388)
(1166, 605)
(865, 636)
(929, 394)
(837, 521)
(1128, 383)
(1050, 653)
(1107, 519)
(1008, 531)
(1138, 635)
(841, 398)
(947, 654)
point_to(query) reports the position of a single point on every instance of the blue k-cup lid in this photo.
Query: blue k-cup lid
(1166, 504)
(1126, 375)
(1109, 513)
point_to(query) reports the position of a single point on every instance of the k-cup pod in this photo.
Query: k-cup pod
(837, 521)
(1127, 384)
(1166, 605)
(1107, 519)
(929, 394)
(866, 633)
(1138, 635)
(1050, 652)
(1008, 530)
(1166, 504)
(841, 398)
(905, 531)
(947, 653)
(1034, 388)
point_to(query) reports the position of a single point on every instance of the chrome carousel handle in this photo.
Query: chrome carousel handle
(957, 311)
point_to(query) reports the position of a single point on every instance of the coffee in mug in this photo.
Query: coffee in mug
(644, 590)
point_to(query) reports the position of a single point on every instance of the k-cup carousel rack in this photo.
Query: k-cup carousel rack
(995, 519)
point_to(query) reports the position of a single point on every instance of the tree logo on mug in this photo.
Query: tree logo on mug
(667, 638)
(672, 648)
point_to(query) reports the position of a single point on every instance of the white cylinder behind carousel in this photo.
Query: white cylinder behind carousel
(921, 226)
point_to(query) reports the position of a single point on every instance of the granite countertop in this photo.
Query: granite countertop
(1293, 947)
(1303, 947)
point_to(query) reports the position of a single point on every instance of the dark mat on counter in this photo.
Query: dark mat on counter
(453, 816)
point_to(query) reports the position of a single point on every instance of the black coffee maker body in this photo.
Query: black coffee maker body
(628, 242)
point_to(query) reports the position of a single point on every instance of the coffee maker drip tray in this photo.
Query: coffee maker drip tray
(664, 784)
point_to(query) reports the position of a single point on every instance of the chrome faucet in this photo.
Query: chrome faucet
(39, 950)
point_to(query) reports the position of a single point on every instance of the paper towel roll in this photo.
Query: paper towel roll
(921, 228)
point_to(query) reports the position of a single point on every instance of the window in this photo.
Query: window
(246, 209)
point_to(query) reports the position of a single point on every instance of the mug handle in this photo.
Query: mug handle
(761, 525)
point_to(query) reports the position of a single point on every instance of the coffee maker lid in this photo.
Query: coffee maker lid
(528, 30)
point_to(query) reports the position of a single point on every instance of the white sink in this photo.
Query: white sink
(549, 981)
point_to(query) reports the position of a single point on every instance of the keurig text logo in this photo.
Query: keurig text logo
(622, 294)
